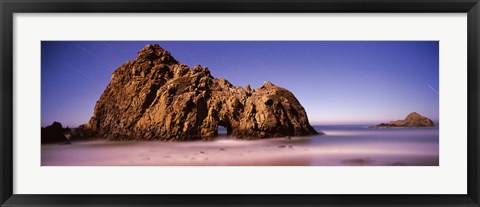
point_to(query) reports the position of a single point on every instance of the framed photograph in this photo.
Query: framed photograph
(236, 103)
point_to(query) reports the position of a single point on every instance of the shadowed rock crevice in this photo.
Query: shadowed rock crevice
(154, 97)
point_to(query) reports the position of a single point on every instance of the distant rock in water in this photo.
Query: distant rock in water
(412, 120)
(54, 133)
(154, 97)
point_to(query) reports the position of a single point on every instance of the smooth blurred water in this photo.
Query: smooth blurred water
(408, 146)
(362, 133)
(340, 145)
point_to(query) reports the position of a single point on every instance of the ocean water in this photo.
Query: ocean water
(387, 146)
(340, 145)
(364, 134)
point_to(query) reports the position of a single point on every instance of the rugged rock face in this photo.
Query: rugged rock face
(84, 132)
(54, 133)
(412, 120)
(154, 97)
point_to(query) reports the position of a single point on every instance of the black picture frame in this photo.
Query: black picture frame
(9, 7)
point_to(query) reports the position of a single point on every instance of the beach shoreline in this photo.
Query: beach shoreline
(322, 150)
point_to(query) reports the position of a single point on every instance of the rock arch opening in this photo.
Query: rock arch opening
(224, 129)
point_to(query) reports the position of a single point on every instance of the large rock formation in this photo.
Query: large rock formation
(154, 97)
(412, 120)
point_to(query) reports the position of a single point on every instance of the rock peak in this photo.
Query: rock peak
(413, 114)
(150, 48)
(268, 84)
(155, 52)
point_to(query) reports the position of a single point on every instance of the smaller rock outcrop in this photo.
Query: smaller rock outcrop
(54, 133)
(413, 119)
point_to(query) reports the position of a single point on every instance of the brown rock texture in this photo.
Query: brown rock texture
(154, 97)
(84, 132)
(413, 119)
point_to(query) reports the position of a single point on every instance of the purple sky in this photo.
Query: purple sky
(338, 82)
